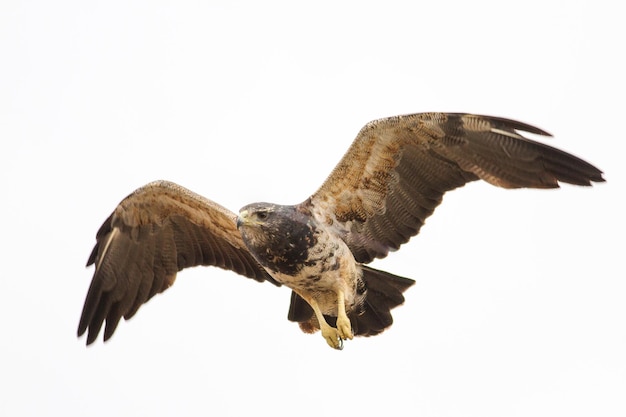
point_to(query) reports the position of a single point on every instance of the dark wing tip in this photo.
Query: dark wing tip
(497, 152)
(570, 169)
(583, 172)
(92, 336)
(93, 314)
(510, 125)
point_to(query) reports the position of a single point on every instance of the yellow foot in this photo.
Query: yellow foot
(331, 335)
(344, 328)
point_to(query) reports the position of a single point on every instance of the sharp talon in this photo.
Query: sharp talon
(340, 347)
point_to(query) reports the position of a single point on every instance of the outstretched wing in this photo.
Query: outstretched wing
(397, 169)
(153, 233)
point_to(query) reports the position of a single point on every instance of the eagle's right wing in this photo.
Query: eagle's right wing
(153, 233)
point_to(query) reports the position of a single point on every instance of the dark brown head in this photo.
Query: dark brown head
(278, 236)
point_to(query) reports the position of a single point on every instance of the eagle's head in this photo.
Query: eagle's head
(278, 236)
(259, 220)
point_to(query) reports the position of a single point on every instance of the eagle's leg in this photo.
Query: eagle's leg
(329, 333)
(344, 328)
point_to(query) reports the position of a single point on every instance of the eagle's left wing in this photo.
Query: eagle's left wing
(397, 169)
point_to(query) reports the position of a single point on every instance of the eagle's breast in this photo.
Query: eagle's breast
(299, 252)
(281, 241)
(286, 247)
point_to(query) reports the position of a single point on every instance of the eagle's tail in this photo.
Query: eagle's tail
(382, 292)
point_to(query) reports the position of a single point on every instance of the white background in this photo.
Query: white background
(519, 307)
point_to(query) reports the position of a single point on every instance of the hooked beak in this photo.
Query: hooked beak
(242, 218)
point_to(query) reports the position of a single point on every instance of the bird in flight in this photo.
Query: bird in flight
(390, 180)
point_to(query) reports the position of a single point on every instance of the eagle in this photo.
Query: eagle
(379, 195)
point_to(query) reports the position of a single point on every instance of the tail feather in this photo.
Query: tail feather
(383, 292)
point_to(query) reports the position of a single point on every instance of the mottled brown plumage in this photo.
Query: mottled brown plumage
(161, 229)
(395, 173)
(389, 181)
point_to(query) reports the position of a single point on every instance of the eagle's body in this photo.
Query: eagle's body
(303, 254)
(311, 258)
(389, 181)
(299, 252)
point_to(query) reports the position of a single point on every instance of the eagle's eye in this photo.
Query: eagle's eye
(262, 215)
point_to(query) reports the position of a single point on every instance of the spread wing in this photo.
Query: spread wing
(397, 169)
(153, 233)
